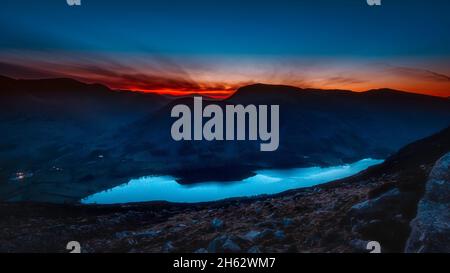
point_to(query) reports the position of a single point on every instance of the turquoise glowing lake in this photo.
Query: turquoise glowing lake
(158, 188)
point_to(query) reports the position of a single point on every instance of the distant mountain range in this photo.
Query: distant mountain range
(76, 138)
(317, 127)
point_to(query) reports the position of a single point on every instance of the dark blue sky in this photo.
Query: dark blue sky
(314, 27)
(216, 46)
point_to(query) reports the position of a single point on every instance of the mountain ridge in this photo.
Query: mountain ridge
(261, 87)
(104, 138)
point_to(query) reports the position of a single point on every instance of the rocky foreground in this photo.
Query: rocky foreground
(376, 205)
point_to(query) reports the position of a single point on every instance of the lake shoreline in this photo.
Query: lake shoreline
(325, 218)
(151, 226)
(263, 182)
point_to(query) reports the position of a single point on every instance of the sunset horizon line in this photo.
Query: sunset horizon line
(212, 93)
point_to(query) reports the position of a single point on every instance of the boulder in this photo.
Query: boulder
(252, 235)
(201, 250)
(287, 222)
(388, 203)
(231, 246)
(279, 234)
(216, 224)
(430, 230)
(168, 247)
(254, 249)
(224, 243)
(359, 245)
(385, 218)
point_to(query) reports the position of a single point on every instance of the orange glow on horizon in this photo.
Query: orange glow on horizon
(418, 88)
(221, 78)
(215, 94)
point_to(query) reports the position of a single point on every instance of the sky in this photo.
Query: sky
(213, 47)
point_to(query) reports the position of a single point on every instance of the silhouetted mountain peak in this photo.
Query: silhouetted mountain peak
(4, 79)
(283, 93)
(267, 88)
(66, 84)
(49, 87)
(385, 90)
(267, 92)
(394, 92)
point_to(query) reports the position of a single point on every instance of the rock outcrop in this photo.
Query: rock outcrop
(387, 211)
(430, 230)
